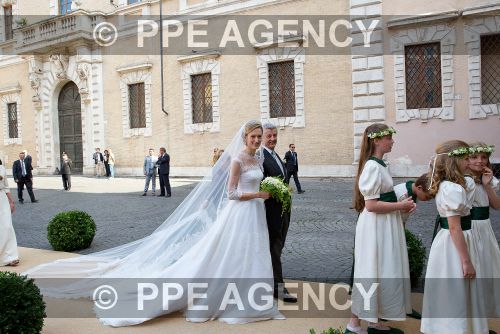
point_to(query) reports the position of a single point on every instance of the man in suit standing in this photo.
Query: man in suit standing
(21, 170)
(150, 171)
(277, 223)
(292, 167)
(163, 171)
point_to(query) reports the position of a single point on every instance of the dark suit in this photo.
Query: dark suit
(277, 224)
(163, 172)
(292, 167)
(66, 173)
(21, 180)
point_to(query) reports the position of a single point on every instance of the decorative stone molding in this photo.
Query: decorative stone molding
(11, 94)
(83, 73)
(60, 63)
(35, 77)
(472, 37)
(436, 33)
(8, 2)
(273, 55)
(132, 74)
(198, 64)
(35, 83)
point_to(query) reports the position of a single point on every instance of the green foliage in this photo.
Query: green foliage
(21, 304)
(22, 22)
(71, 230)
(416, 256)
(329, 331)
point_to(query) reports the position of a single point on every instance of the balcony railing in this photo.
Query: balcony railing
(58, 31)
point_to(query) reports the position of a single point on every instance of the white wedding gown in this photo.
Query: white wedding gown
(233, 248)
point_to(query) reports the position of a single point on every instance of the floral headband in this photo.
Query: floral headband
(381, 133)
(459, 152)
(482, 149)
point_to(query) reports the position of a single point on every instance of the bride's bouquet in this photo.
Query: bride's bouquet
(279, 191)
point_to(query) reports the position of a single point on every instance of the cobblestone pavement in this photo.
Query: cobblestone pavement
(319, 244)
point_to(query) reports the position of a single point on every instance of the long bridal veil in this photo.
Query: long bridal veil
(146, 257)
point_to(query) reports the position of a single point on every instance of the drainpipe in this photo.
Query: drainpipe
(161, 61)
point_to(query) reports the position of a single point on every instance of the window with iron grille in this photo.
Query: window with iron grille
(281, 89)
(64, 6)
(423, 76)
(490, 69)
(8, 22)
(137, 105)
(201, 97)
(12, 116)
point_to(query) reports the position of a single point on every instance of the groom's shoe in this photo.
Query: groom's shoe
(285, 296)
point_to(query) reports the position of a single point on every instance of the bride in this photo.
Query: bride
(217, 236)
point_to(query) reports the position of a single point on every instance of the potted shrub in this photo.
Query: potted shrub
(22, 306)
(71, 230)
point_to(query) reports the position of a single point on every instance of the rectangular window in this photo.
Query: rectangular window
(201, 97)
(282, 89)
(133, 1)
(423, 76)
(490, 69)
(64, 7)
(137, 105)
(8, 22)
(12, 116)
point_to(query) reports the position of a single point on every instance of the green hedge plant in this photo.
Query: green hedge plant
(416, 257)
(21, 304)
(71, 230)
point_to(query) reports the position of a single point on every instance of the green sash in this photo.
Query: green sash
(465, 223)
(388, 197)
(480, 213)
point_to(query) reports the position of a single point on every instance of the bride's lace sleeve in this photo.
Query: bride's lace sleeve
(234, 178)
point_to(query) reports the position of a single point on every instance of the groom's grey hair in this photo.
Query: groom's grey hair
(269, 126)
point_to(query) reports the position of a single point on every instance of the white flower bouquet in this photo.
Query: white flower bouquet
(279, 191)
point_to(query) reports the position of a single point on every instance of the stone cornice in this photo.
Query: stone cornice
(431, 18)
(481, 10)
(134, 67)
(16, 88)
(199, 56)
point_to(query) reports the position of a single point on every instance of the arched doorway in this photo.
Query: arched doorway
(70, 125)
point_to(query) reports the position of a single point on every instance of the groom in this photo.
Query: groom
(276, 223)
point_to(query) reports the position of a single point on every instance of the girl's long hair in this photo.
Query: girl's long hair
(446, 167)
(367, 150)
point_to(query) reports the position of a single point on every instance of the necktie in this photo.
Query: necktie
(275, 156)
(294, 158)
(23, 169)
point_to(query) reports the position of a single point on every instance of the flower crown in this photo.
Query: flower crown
(482, 149)
(459, 152)
(381, 133)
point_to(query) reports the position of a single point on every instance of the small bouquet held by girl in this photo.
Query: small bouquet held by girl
(279, 191)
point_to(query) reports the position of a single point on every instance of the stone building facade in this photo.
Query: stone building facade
(62, 91)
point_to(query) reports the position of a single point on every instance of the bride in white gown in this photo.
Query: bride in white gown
(218, 234)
